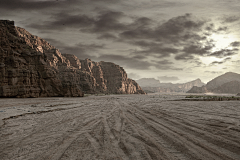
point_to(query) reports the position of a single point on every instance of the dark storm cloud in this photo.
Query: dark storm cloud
(224, 53)
(196, 63)
(107, 36)
(216, 62)
(197, 49)
(141, 22)
(184, 56)
(153, 47)
(164, 65)
(105, 22)
(224, 29)
(77, 21)
(159, 52)
(162, 62)
(63, 21)
(189, 51)
(40, 4)
(108, 21)
(173, 30)
(230, 19)
(27, 5)
(184, 36)
(166, 78)
(220, 62)
(212, 28)
(139, 57)
(178, 35)
(136, 63)
(235, 44)
(108, 1)
(126, 61)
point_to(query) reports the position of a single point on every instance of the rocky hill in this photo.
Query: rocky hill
(31, 67)
(226, 83)
(170, 87)
(186, 86)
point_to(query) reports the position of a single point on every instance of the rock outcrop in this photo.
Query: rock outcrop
(170, 87)
(196, 89)
(226, 83)
(31, 67)
(186, 86)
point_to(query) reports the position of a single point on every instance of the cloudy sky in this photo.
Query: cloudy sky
(170, 40)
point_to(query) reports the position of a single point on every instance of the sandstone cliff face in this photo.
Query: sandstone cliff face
(110, 78)
(226, 83)
(31, 67)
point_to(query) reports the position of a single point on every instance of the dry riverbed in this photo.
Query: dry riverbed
(124, 127)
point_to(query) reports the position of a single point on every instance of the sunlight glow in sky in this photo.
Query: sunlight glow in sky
(222, 41)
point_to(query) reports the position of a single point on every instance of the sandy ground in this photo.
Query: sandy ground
(124, 127)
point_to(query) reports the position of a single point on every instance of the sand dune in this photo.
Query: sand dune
(119, 127)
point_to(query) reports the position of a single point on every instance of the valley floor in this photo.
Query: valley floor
(124, 127)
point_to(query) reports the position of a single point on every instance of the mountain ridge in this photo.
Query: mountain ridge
(167, 87)
(225, 83)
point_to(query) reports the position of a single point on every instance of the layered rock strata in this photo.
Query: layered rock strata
(31, 67)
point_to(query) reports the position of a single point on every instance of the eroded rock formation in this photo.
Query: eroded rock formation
(226, 83)
(31, 67)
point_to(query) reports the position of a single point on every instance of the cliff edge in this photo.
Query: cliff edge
(31, 67)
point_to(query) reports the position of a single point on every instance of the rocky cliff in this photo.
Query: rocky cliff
(186, 86)
(226, 83)
(170, 87)
(31, 67)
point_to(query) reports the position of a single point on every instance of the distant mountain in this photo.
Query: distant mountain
(226, 83)
(186, 86)
(150, 85)
(229, 87)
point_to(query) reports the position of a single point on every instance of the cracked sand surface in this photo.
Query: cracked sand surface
(119, 127)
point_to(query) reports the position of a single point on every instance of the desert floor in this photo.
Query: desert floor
(112, 127)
